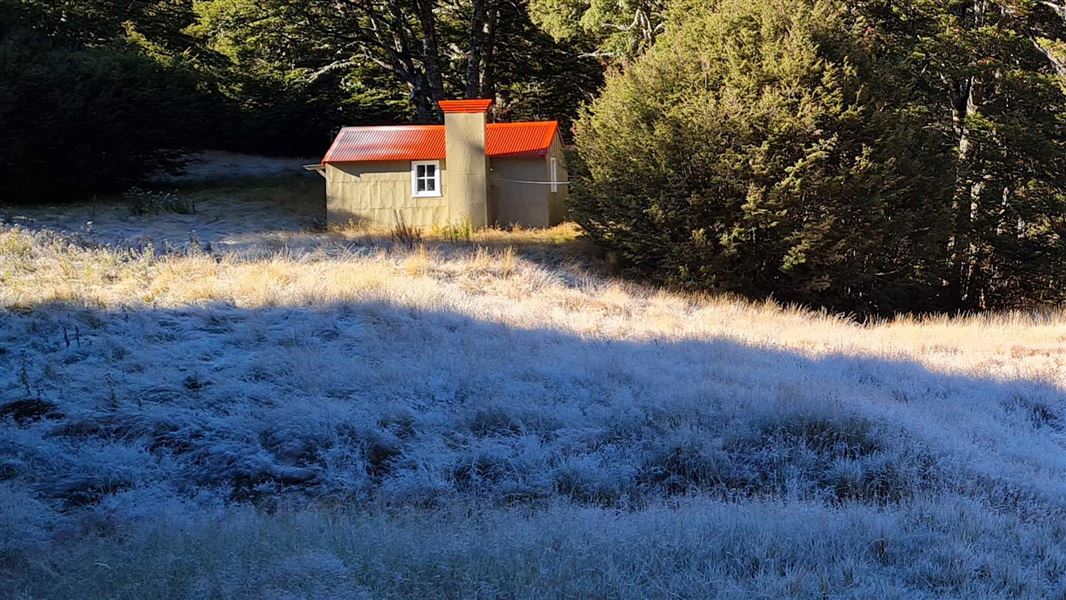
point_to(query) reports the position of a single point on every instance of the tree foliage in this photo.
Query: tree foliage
(817, 151)
(75, 119)
(272, 76)
(619, 29)
(419, 51)
(991, 74)
(758, 148)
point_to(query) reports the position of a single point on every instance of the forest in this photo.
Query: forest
(113, 89)
(874, 156)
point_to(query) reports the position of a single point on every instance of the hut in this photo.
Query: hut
(465, 172)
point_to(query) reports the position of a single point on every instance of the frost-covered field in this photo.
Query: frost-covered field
(329, 415)
(257, 202)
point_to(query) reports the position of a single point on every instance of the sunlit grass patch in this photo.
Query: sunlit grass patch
(566, 234)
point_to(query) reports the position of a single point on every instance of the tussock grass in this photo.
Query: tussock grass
(344, 415)
(694, 549)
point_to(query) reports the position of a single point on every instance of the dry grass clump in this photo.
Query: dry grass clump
(560, 235)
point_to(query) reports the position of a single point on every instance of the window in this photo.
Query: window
(555, 175)
(425, 178)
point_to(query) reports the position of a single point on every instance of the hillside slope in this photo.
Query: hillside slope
(339, 417)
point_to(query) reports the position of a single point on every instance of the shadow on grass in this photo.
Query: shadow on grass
(384, 404)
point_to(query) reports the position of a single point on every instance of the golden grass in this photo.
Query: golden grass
(488, 279)
(560, 235)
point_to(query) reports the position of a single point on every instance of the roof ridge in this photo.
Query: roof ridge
(408, 126)
(435, 125)
(526, 123)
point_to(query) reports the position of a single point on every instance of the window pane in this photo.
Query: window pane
(425, 179)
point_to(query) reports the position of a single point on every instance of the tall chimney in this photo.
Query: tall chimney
(466, 164)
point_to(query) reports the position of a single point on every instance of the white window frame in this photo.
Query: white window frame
(555, 174)
(436, 192)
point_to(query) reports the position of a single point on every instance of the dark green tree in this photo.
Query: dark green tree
(79, 114)
(762, 147)
(74, 122)
(990, 76)
(415, 51)
(618, 29)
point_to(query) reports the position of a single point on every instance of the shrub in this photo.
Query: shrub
(816, 151)
(75, 121)
(760, 148)
(406, 234)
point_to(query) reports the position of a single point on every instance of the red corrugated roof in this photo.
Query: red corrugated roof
(514, 140)
(426, 142)
(401, 142)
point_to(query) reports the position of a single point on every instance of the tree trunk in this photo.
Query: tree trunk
(961, 202)
(488, 77)
(475, 48)
(962, 244)
(425, 107)
(431, 54)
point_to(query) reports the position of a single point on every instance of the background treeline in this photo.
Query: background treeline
(95, 94)
(875, 156)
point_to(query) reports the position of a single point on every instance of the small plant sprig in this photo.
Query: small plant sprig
(456, 232)
(407, 235)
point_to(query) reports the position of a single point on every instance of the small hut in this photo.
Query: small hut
(465, 172)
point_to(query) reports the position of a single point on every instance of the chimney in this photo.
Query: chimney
(466, 165)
